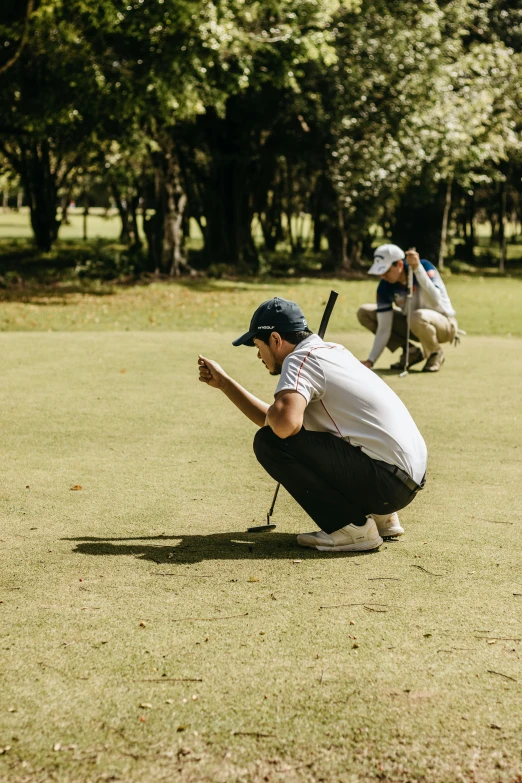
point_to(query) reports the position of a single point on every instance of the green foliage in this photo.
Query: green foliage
(227, 111)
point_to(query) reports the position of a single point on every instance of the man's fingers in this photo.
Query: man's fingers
(210, 372)
(205, 370)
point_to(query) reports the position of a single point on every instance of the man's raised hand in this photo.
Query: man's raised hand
(412, 258)
(211, 373)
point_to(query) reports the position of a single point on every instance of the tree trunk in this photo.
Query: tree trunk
(65, 209)
(288, 208)
(85, 215)
(470, 222)
(164, 229)
(290, 233)
(346, 261)
(153, 225)
(19, 200)
(318, 233)
(502, 226)
(174, 238)
(5, 200)
(354, 253)
(270, 215)
(229, 217)
(495, 226)
(124, 214)
(272, 229)
(417, 218)
(317, 215)
(445, 222)
(191, 177)
(133, 218)
(229, 184)
(40, 187)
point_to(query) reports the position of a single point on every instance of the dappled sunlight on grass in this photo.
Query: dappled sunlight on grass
(485, 305)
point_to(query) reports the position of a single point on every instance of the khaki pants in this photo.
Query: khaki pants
(427, 327)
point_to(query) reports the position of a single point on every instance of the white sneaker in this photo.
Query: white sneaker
(388, 524)
(351, 538)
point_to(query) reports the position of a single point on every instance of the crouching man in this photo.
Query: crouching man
(336, 436)
(432, 315)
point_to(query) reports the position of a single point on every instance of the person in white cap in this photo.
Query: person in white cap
(432, 316)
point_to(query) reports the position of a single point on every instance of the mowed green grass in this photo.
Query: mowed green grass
(147, 637)
(485, 305)
(17, 225)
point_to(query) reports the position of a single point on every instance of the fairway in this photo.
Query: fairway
(147, 637)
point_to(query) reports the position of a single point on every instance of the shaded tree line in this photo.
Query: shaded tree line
(358, 113)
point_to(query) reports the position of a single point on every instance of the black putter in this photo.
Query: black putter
(322, 329)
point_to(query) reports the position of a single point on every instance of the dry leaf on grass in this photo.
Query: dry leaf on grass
(76, 487)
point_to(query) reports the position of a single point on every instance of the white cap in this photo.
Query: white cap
(384, 257)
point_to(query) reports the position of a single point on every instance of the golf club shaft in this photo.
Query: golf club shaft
(409, 296)
(322, 329)
(408, 316)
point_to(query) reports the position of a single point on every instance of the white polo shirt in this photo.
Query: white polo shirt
(347, 399)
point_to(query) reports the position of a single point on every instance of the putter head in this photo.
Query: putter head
(261, 528)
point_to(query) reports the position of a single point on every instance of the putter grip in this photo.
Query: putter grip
(327, 313)
(410, 282)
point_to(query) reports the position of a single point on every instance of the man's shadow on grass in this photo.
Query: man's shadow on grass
(191, 549)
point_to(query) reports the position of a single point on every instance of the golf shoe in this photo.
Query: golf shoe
(434, 362)
(352, 538)
(388, 524)
(416, 355)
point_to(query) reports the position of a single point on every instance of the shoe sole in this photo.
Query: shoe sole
(363, 546)
(392, 531)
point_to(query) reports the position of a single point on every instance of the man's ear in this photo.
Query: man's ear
(275, 341)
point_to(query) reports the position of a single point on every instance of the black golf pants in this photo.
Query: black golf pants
(334, 482)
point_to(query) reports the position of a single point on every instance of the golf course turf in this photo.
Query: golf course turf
(147, 637)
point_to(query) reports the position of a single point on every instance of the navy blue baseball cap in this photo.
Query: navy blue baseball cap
(274, 315)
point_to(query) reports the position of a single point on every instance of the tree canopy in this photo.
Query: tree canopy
(355, 112)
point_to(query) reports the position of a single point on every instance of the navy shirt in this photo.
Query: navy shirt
(389, 294)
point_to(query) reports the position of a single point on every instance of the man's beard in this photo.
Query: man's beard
(277, 367)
